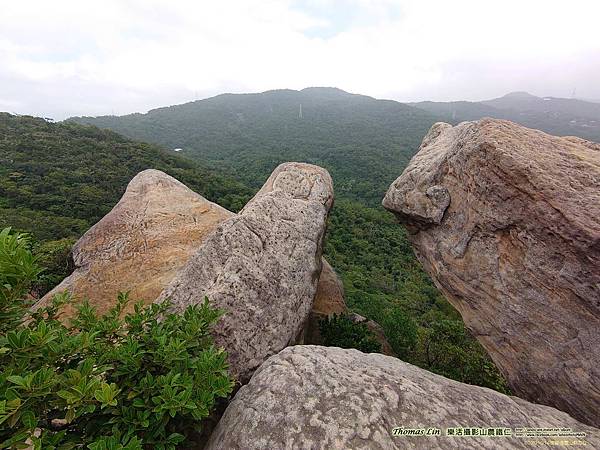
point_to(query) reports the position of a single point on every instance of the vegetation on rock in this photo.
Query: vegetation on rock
(338, 330)
(142, 381)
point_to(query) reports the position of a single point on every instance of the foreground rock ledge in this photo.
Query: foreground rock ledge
(262, 267)
(314, 397)
(506, 220)
(141, 243)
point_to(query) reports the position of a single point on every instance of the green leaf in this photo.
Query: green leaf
(19, 381)
(28, 419)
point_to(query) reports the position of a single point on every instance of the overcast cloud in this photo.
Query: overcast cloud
(61, 58)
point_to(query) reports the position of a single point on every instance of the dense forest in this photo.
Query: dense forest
(56, 180)
(364, 143)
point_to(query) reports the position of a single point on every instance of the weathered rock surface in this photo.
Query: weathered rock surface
(506, 220)
(262, 266)
(312, 397)
(329, 300)
(141, 244)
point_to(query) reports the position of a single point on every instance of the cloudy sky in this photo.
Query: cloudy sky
(88, 57)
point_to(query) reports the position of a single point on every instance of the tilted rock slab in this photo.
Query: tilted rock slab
(506, 220)
(262, 267)
(310, 397)
(141, 243)
(329, 298)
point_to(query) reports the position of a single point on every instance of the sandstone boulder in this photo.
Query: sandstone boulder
(141, 244)
(262, 267)
(312, 397)
(506, 220)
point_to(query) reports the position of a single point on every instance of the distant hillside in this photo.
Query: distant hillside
(56, 180)
(365, 143)
(559, 116)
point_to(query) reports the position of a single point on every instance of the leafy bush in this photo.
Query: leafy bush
(340, 331)
(400, 331)
(55, 257)
(446, 347)
(142, 381)
(18, 270)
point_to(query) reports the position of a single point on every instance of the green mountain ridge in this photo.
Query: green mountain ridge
(365, 143)
(558, 116)
(58, 179)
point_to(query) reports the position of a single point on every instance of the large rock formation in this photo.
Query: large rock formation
(327, 398)
(159, 223)
(506, 220)
(262, 266)
(141, 244)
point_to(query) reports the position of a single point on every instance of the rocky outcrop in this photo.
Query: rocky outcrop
(141, 244)
(506, 220)
(327, 398)
(329, 300)
(262, 267)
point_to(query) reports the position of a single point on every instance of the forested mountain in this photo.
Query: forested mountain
(558, 116)
(56, 180)
(364, 143)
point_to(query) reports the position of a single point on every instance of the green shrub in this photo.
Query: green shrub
(106, 382)
(401, 332)
(446, 347)
(340, 331)
(55, 258)
(18, 270)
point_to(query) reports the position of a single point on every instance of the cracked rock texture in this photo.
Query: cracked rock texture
(506, 220)
(262, 267)
(310, 397)
(141, 243)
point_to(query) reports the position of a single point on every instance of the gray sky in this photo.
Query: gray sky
(88, 57)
